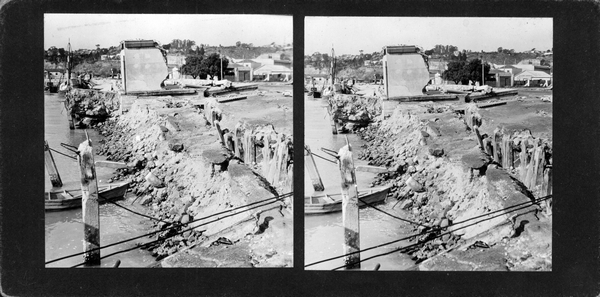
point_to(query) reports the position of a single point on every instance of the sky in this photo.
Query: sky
(349, 35)
(87, 30)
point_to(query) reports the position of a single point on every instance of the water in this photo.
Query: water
(324, 233)
(64, 229)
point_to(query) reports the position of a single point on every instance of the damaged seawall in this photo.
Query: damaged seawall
(180, 170)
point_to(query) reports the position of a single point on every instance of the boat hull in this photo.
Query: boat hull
(333, 203)
(68, 199)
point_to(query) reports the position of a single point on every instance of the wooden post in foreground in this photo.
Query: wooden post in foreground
(349, 208)
(89, 204)
(311, 170)
(51, 167)
(476, 128)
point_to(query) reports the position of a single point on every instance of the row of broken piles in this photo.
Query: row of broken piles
(90, 107)
(441, 176)
(178, 167)
(353, 112)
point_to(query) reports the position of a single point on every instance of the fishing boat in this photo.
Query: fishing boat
(327, 203)
(61, 198)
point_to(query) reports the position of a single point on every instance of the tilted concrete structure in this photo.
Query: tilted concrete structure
(405, 72)
(143, 65)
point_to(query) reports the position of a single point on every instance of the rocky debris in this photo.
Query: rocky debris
(437, 187)
(90, 107)
(436, 151)
(179, 188)
(175, 145)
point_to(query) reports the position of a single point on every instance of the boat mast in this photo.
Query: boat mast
(332, 71)
(69, 63)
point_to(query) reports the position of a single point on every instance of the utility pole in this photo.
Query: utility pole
(482, 74)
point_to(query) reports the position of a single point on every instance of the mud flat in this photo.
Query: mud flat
(442, 178)
(181, 171)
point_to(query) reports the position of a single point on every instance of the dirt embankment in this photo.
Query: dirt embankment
(178, 168)
(442, 178)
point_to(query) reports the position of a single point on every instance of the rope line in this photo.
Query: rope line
(169, 228)
(422, 242)
(430, 231)
(139, 214)
(391, 215)
(178, 233)
(328, 160)
(74, 158)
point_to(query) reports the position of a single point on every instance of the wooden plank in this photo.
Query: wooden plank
(311, 169)
(51, 167)
(110, 164)
(419, 98)
(90, 210)
(493, 94)
(231, 98)
(372, 169)
(163, 92)
(350, 219)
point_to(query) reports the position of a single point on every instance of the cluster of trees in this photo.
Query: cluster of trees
(461, 71)
(59, 55)
(323, 60)
(200, 66)
(185, 46)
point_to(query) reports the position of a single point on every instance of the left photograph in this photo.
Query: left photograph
(168, 140)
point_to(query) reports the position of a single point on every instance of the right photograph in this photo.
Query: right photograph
(428, 143)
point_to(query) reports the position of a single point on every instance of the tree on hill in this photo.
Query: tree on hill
(193, 66)
(212, 65)
(463, 71)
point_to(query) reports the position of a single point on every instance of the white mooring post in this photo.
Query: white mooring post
(89, 204)
(349, 207)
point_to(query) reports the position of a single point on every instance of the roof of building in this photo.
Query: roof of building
(533, 74)
(272, 69)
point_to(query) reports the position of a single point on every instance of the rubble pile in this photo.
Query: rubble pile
(177, 167)
(90, 107)
(354, 111)
(440, 178)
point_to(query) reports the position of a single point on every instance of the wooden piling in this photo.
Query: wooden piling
(488, 146)
(495, 147)
(219, 132)
(252, 149)
(229, 141)
(523, 161)
(237, 133)
(89, 203)
(332, 119)
(311, 170)
(530, 166)
(266, 152)
(51, 167)
(350, 217)
(273, 162)
(479, 140)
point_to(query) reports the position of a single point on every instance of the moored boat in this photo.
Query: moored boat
(327, 203)
(60, 198)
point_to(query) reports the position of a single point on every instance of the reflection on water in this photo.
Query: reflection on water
(324, 233)
(64, 229)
